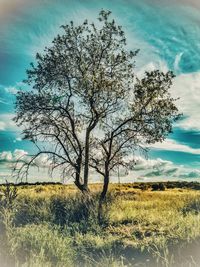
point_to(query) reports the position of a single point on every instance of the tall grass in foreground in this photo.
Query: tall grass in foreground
(55, 226)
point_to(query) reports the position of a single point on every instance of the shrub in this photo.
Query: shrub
(31, 210)
(158, 187)
(144, 187)
(193, 206)
(78, 212)
(8, 195)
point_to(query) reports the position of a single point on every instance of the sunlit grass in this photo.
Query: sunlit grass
(53, 225)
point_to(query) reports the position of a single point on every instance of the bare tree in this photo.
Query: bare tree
(76, 84)
(145, 117)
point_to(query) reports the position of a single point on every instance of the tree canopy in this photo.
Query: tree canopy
(86, 106)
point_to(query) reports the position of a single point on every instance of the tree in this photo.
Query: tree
(145, 117)
(86, 109)
(75, 85)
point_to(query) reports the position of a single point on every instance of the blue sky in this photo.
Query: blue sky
(168, 36)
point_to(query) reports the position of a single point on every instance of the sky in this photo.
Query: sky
(167, 32)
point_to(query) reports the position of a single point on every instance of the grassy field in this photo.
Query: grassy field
(143, 225)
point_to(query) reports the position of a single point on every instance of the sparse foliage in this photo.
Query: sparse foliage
(87, 107)
(146, 116)
(77, 83)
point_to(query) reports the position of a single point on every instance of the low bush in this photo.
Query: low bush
(31, 210)
(78, 212)
(158, 187)
(192, 206)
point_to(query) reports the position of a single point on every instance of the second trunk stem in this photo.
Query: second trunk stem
(86, 167)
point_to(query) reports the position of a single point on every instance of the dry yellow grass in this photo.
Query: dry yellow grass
(138, 220)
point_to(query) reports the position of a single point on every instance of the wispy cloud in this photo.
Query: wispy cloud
(7, 123)
(11, 90)
(151, 169)
(20, 155)
(187, 88)
(172, 145)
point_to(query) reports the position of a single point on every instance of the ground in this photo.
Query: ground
(144, 224)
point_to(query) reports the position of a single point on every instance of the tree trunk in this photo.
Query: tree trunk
(86, 165)
(77, 181)
(102, 197)
(81, 186)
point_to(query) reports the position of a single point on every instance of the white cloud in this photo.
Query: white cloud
(20, 84)
(144, 169)
(139, 168)
(43, 161)
(172, 145)
(177, 61)
(144, 164)
(9, 156)
(7, 123)
(195, 174)
(151, 66)
(11, 90)
(9, 159)
(162, 169)
(141, 163)
(19, 153)
(6, 156)
(187, 88)
(2, 126)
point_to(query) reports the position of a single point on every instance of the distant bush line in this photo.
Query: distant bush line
(155, 186)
